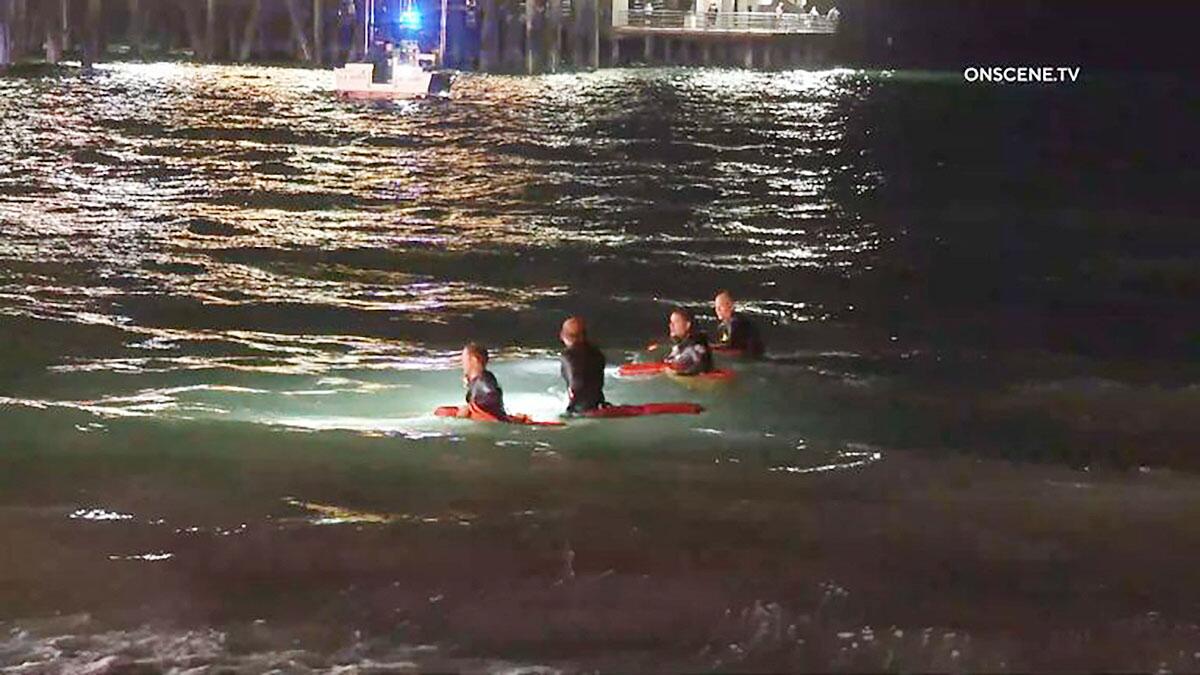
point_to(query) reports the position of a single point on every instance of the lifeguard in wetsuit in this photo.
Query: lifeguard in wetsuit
(582, 368)
(691, 354)
(736, 331)
(483, 391)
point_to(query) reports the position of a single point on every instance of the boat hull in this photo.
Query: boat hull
(354, 81)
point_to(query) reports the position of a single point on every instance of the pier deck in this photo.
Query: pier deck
(674, 23)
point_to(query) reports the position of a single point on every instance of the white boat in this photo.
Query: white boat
(407, 72)
(407, 79)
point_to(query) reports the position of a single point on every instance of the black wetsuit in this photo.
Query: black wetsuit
(583, 371)
(691, 355)
(487, 395)
(739, 333)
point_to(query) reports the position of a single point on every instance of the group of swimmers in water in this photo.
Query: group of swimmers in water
(582, 363)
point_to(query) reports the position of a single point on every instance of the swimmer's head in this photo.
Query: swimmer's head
(474, 359)
(574, 331)
(680, 323)
(723, 305)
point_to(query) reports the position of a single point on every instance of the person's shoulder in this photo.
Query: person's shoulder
(743, 320)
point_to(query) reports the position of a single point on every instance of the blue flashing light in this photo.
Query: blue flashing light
(410, 19)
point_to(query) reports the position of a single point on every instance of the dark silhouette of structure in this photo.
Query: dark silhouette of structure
(547, 35)
(490, 35)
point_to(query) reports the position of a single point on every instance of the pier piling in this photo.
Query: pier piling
(514, 47)
(531, 10)
(11, 29)
(210, 30)
(318, 15)
(489, 39)
(577, 33)
(135, 27)
(461, 40)
(92, 37)
(250, 32)
(64, 13)
(299, 34)
(5, 50)
(593, 7)
(554, 47)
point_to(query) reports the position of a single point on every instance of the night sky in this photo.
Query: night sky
(1155, 34)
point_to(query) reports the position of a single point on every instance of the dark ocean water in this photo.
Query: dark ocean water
(229, 302)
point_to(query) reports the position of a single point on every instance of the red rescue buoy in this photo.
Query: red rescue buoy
(660, 368)
(479, 415)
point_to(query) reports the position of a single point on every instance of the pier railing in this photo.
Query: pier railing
(723, 22)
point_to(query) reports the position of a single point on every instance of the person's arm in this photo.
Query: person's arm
(568, 376)
(754, 343)
(744, 337)
(687, 361)
(490, 401)
(485, 395)
(602, 363)
(739, 334)
(672, 356)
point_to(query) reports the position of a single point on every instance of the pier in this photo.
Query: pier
(516, 36)
(730, 38)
